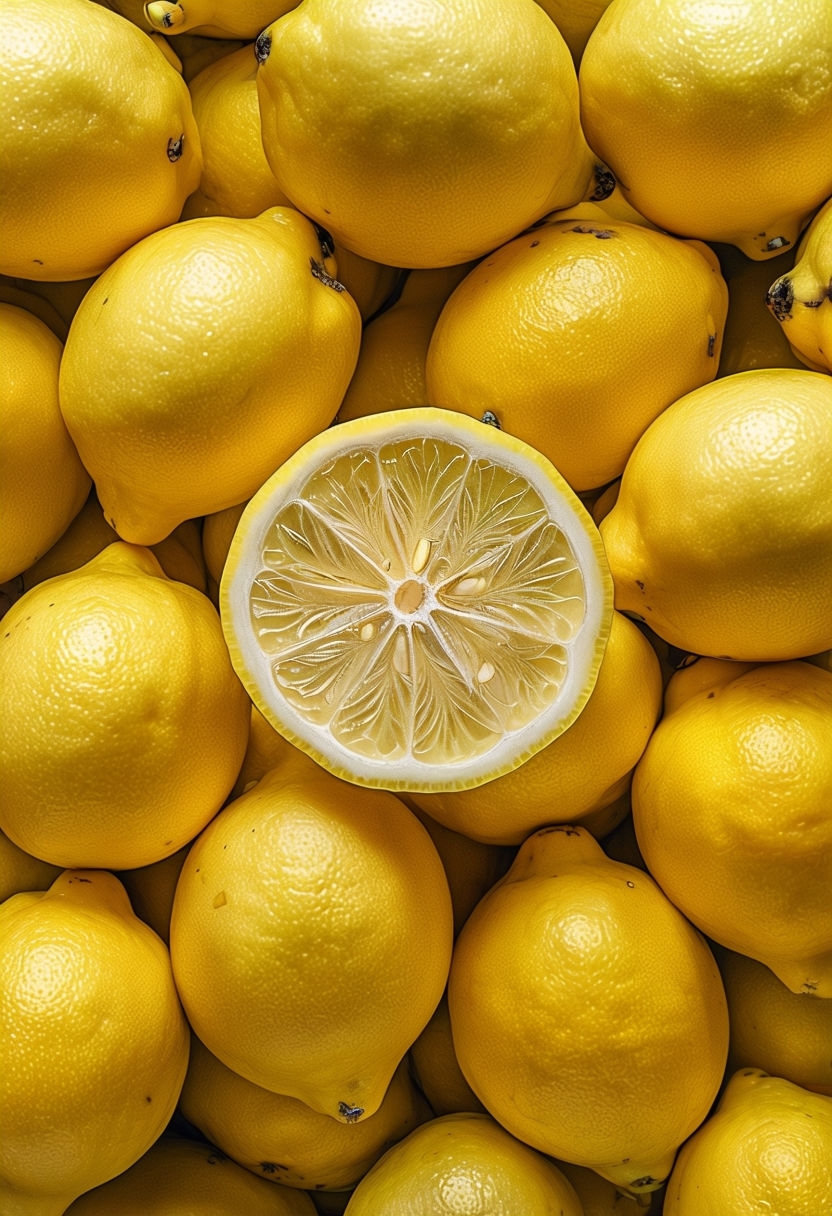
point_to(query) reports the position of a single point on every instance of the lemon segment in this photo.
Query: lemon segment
(417, 600)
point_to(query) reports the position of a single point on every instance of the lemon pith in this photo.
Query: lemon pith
(417, 600)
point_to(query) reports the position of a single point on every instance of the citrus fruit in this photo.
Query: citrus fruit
(774, 1029)
(123, 723)
(417, 599)
(94, 1045)
(588, 1015)
(436, 1069)
(422, 135)
(205, 19)
(179, 1177)
(200, 360)
(179, 555)
(720, 126)
(311, 936)
(99, 143)
(236, 178)
(752, 336)
(390, 372)
(575, 336)
(720, 538)
(581, 771)
(284, 1140)
(731, 810)
(766, 1148)
(801, 297)
(575, 19)
(463, 1162)
(43, 483)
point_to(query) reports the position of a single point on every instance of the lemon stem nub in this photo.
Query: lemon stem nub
(163, 15)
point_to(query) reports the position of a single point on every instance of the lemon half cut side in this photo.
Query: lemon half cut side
(417, 600)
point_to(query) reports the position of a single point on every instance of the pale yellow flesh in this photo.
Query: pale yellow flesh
(417, 600)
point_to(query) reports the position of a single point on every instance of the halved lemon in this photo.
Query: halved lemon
(417, 600)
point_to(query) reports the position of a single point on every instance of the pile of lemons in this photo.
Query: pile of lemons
(416, 593)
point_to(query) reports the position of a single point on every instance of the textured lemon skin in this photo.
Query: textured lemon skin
(588, 1015)
(463, 1162)
(731, 811)
(577, 334)
(108, 149)
(124, 724)
(721, 534)
(422, 135)
(201, 359)
(720, 125)
(766, 1147)
(293, 916)
(95, 1042)
(43, 483)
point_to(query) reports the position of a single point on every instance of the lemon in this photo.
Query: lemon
(311, 936)
(801, 298)
(151, 889)
(390, 372)
(588, 1015)
(43, 483)
(99, 143)
(463, 1162)
(94, 1044)
(731, 810)
(436, 1069)
(752, 336)
(422, 135)
(774, 1029)
(583, 770)
(417, 599)
(576, 335)
(599, 1196)
(284, 1140)
(200, 360)
(236, 178)
(721, 535)
(720, 126)
(206, 19)
(123, 723)
(179, 555)
(179, 1177)
(767, 1148)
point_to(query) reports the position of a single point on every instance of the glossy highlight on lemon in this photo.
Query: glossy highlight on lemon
(417, 600)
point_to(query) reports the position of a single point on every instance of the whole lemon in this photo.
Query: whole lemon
(766, 1148)
(98, 140)
(43, 483)
(463, 1162)
(422, 134)
(588, 1014)
(720, 127)
(731, 810)
(200, 360)
(720, 538)
(576, 335)
(311, 937)
(93, 1043)
(123, 723)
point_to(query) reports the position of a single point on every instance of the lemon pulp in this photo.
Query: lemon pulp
(417, 600)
